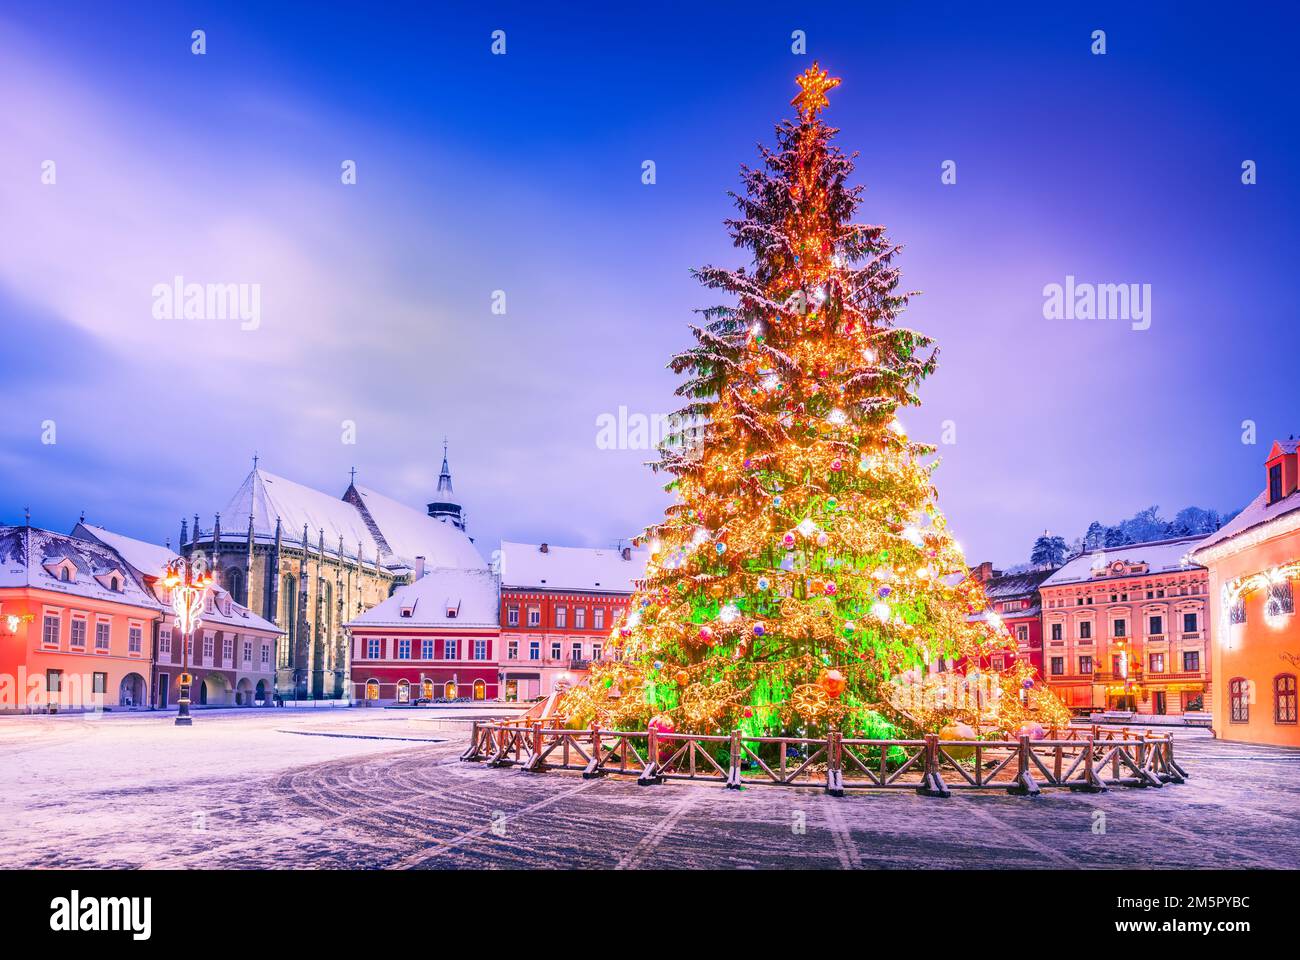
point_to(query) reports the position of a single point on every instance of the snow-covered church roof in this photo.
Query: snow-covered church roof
(372, 526)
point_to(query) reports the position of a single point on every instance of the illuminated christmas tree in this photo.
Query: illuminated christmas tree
(805, 577)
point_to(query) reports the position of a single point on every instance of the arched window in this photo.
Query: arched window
(289, 607)
(403, 691)
(1284, 698)
(449, 690)
(1239, 700)
(372, 689)
(480, 690)
(112, 583)
(63, 575)
(234, 583)
(427, 692)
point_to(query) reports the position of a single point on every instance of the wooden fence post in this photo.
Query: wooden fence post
(593, 765)
(650, 774)
(932, 784)
(1025, 785)
(733, 772)
(1091, 782)
(472, 752)
(1176, 773)
(834, 763)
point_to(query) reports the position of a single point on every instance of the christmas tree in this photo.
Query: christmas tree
(805, 577)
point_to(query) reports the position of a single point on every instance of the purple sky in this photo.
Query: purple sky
(522, 173)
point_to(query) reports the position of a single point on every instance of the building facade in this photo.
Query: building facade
(433, 639)
(232, 654)
(1128, 629)
(1014, 599)
(558, 606)
(75, 624)
(1254, 562)
(310, 562)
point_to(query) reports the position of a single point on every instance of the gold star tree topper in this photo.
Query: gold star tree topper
(813, 84)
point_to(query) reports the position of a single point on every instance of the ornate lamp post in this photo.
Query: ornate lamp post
(188, 581)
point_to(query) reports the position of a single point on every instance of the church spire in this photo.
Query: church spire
(445, 506)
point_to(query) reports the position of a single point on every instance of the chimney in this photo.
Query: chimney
(544, 548)
(419, 567)
(984, 572)
(627, 553)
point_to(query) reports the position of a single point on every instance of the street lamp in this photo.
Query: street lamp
(188, 581)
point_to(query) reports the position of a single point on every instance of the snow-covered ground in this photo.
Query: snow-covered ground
(374, 788)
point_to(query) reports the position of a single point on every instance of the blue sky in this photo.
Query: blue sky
(522, 173)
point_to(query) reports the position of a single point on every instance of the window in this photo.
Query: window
(450, 649)
(1189, 623)
(1119, 665)
(266, 654)
(580, 618)
(1191, 661)
(1239, 700)
(1275, 483)
(165, 642)
(247, 650)
(209, 645)
(1280, 599)
(1156, 662)
(1085, 665)
(1155, 626)
(512, 615)
(1085, 630)
(598, 618)
(534, 650)
(404, 648)
(1056, 631)
(78, 629)
(63, 575)
(372, 648)
(561, 617)
(1193, 702)
(480, 649)
(575, 652)
(1121, 628)
(556, 650)
(596, 650)
(134, 639)
(1237, 612)
(1284, 698)
(228, 650)
(426, 649)
(53, 681)
(102, 634)
(50, 630)
(1022, 633)
(512, 650)
(534, 616)
(1058, 666)
(99, 683)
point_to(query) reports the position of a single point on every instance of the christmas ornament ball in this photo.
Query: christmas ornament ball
(832, 681)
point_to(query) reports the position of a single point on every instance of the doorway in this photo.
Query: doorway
(1158, 702)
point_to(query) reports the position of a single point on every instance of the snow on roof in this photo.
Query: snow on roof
(146, 558)
(1160, 556)
(569, 568)
(1014, 584)
(410, 533)
(150, 560)
(268, 497)
(1258, 512)
(473, 594)
(24, 552)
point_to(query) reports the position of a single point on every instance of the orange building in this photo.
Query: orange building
(76, 626)
(1127, 629)
(1254, 561)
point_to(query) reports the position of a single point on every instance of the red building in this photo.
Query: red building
(558, 606)
(1014, 598)
(433, 639)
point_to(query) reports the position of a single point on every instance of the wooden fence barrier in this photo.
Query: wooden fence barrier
(930, 766)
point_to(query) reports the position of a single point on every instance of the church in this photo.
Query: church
(311, 562)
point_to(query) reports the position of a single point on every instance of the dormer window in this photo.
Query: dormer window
(61, 569)
(1275, 483)
(111, 580)
(453, 609)
(64, 575)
